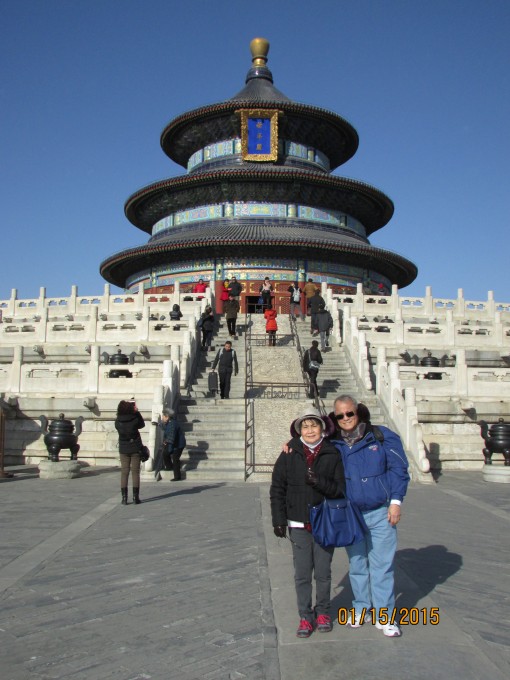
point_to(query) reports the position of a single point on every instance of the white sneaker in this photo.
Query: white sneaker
(389, 629)
(357, 623)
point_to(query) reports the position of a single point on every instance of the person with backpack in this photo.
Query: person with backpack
(226, 360)
(312, 360)
(376, 472)
(295, 301)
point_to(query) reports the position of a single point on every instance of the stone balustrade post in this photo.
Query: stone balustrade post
(359, 299)
(428, 302)
(105, 299)
(498, 333)
(41, 301)
(460, 386)
(329, 298)
(15, 372)
(381, 363)
(168, 380)
(394, 379)
(71, 300)
(399, 327)
(450, 329)
(94, 363)
(11, 307)
(176, 297)
(42, 334)
(491, 304)
(139, 298)
(92, 330)
(394, 299)
(335, 315)
(410, 396)
(460, 306)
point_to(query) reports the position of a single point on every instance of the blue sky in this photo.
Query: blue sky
(87, 86)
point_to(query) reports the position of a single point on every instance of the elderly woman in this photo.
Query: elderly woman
(310, 471)
(377, 477)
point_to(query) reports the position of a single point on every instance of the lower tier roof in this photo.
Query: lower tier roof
(253, 242)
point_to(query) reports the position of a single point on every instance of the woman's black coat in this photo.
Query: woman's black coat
(127, 425)
(291, 497)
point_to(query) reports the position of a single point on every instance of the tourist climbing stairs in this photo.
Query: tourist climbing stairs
(336, 375)
(214, 427)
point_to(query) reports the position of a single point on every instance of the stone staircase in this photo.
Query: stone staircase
(214, 427)
(336, 375)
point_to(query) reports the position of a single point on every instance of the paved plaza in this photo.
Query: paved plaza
(192, 584)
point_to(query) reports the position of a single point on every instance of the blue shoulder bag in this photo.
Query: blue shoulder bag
(337, 522)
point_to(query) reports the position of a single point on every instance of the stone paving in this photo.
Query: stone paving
(192, 584)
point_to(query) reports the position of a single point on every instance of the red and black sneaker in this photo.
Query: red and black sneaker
(305, 629)
(324, 624)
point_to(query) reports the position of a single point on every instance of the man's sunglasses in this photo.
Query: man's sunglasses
(349, 414)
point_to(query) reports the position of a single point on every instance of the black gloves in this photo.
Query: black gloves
(311, 477)
(280, 531)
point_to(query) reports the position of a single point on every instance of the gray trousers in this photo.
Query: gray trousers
(311, 559)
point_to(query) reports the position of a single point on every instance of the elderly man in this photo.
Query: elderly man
(376, 473)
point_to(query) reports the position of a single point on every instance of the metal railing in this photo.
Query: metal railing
(311, 387)
(270, 390)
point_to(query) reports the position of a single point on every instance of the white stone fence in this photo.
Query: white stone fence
(427, 308)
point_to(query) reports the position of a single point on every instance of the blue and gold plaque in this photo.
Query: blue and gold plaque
(259, 134)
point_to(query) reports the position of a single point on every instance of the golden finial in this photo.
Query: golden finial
(259, 49)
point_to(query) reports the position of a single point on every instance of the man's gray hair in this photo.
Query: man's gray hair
(346, 397)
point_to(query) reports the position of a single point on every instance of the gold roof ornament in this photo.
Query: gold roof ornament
(259, 50)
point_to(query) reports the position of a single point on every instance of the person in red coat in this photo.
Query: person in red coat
(271, 326)
(200, 287)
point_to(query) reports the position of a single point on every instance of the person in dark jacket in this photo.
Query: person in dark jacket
(235, 288)
(312, 360)
(377, 475)
(206, 323)
(174, 442)
(226, 360)
(231, 309)
(128, 423)
(310, 471)
(266, 291)
(314, 304)
(324, 325)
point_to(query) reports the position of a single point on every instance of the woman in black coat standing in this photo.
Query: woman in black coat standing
(128, 423)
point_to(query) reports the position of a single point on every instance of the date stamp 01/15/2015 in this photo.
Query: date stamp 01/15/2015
(404, 616)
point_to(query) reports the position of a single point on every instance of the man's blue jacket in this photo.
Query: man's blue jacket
(375, 471)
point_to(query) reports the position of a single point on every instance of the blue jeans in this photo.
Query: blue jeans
(371, 568)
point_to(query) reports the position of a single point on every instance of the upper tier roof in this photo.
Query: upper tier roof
(281, 185)
(308, 125)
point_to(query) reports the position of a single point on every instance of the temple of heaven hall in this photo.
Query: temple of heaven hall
(259, 200)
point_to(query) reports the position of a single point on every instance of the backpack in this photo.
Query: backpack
(376, 431)
(233, 353)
